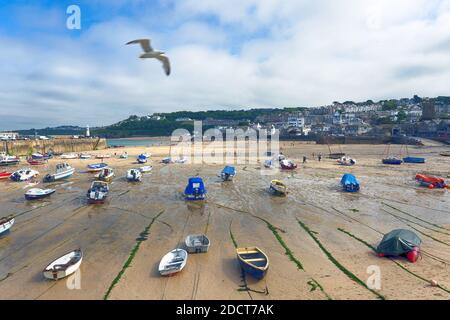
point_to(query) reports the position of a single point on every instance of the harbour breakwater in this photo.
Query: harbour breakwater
(27, 147)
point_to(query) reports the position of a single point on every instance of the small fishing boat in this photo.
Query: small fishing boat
(400, 242)
(24, 175)
(64, 266)
(346, 161)
(63, 171)
(36, 162)
(96, 167)
(181, 160)
(350, 183)
(7, 160)
(392, 161)
(195, 190)
(197, 243)
(253, 261)
(124, 156)
(107, 174)
(278, 188)
(413, 160)
(134, 175)
(98, 192)
(6, 223)
(85, 156)
(145, 169)
(335, 156)
(268, 164)
(36, 193)
(5, 175)
(167, 160)
(445, 154)
(103, 156)
(69, 156)
(173, 262)
(431, 182)
(142, 159)
(287, 165)
(228, 173)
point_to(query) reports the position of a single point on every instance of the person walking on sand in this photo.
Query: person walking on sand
(304, 159)
(319, 157)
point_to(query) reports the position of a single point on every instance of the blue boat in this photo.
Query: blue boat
(142, 158)
(228, 173)
(392, 161)
(413, 160)
(350, 183)
(253, 261)
(96, 167)
(195, 190)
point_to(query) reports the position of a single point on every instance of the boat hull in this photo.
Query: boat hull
(253, 262)
(6, 163)
(37, 197)
(395, 162)
(6, 226)
(59, 176)
(413, 160)
(53, 274)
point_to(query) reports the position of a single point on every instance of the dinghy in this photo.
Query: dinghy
(346, 161)
(287, 165)
(64, 266)
(69, 156)
(268, 164)
(36, 162)
(145, 169)
(6, 160)
(134, 175)
(85, 156)
(253, 261)
(413, 160)
(181, 160)
(103, 156)
(350, 183)
(278, 188)
(6, 223)
(124, 156)
(96, 167)
(63, 171)
(431, 182)
(195, 190)
(166, 160)
(98, 192)
(197, 243)
(173, 262)
(24, 175)
(228, 173)
(400, 242)
(392, 161)
(5, 175)
(36, 193)
(107, 174)
(142, 159)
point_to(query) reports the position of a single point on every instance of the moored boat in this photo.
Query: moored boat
(431, 182)
(85, 156)
(278, 188)
(346, 161)
(103, 156)
(5, 175)
(173, 262)
(134, 175)
(253, 261)
(6, 223)
(167, 160)
(413, 160)
(228, 173)
(195, 189)
(142, 159)
(36, 162)
(268, 164)
(98, 192)
(69, 156)
(350, 183)
(124, 156)
(107, 174)
(36, 193)
(287, 165)
(96, 167)
(392, 161)
(197, 243)
(64, 266)
(7, 160)
(145, 169)
(63, 171)
(23, 175)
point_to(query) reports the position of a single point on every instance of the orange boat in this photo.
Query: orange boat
(431, 182)
(5, 175)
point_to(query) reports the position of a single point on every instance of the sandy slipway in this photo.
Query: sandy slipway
(319, 240)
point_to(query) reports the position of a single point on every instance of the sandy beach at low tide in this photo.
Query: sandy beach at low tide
(317, 238)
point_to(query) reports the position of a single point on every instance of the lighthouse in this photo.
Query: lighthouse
(88, 133)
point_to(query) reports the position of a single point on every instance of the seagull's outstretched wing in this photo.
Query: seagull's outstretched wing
(145, 44)
(166, 63)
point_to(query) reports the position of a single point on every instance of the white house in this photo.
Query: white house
(9, 135)
(296, 122)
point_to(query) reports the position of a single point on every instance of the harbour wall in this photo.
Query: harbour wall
(27, 147)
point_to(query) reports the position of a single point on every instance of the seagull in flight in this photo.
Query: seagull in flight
(150, 53)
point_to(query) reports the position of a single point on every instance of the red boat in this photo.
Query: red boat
(36, 162)
(287, 165)
(5, 175)
(431, 182)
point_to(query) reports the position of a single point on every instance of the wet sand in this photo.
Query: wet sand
(317, 238)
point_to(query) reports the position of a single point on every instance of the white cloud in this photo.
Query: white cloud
(259, 54)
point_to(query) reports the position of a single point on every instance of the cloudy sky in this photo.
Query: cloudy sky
(225, 54)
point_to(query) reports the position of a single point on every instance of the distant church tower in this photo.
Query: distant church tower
(88, 133)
